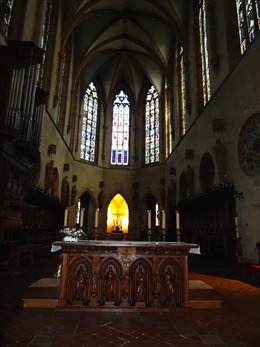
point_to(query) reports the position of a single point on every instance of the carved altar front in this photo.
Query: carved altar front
(110, 275)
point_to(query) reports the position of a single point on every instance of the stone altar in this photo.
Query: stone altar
(124, 275)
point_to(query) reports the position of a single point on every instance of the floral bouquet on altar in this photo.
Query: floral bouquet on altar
(73, 234)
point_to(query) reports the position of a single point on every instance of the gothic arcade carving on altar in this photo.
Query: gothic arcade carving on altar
(113, 285)
(123, 279)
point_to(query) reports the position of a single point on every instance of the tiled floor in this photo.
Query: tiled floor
(237, 324)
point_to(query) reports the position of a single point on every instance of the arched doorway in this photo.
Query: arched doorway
(118, 214)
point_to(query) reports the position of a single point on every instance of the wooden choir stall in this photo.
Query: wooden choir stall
(123, 275)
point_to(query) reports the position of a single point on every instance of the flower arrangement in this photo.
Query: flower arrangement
(71, 233)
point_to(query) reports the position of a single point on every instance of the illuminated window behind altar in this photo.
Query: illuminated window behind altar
(120, 130)
(117, 215)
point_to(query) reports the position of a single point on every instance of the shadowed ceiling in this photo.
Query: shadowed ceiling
(124, 43)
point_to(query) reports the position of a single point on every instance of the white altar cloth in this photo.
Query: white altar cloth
(55, 248)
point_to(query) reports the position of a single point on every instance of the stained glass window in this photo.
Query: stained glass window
(248, 15)
(45, 37)
(182, 91)
(204, 51)
(120, 130)
(89, 124)
(6, 12)
(152, 127)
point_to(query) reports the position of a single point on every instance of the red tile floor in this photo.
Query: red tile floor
(236, 324)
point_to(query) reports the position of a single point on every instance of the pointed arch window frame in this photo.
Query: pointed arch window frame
(203, 44)
(120, 132)
(89, 124)
(182, 88)
(248, 19)
(45, 38)
(7, 7)
(152, 127)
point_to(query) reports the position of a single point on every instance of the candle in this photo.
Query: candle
(163, 219)
(149, 219)
(177, 220)
(66, 217)
(236, 222)
(82, 211)
(96, 218)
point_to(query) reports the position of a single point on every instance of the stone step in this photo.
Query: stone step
(44, 294)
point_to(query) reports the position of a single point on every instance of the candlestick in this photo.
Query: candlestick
(96, 233)
(65, 222)
(96, 218)
(163, 219)
(178, 235)
(82, 211)
(177, 220)
(149, 219)
(149, 234)
(163, 235)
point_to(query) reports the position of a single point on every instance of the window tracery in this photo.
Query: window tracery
(204, 51)
(45, 37)
(6, 7)
(182, 91)
(120, 130)
(89, 124)
(152, 127)
(248, 15)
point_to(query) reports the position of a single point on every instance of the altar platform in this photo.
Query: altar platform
(123, 276)
(44, 294)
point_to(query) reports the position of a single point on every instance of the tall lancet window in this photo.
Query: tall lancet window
(120, 130)
(5, 15)
(45, 36)
(152, 127)
(182, 91)
(248, 15)
(89, 124)
(204, 51)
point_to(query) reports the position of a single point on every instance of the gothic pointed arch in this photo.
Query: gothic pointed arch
(89, 124)
(152, 121)
(117, 214)
(120, 129)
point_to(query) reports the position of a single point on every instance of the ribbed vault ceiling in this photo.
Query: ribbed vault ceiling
(124, 43)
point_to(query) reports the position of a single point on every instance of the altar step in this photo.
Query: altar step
(44, 294)
(204, 296)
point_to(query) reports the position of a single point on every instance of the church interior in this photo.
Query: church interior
(131, 121)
